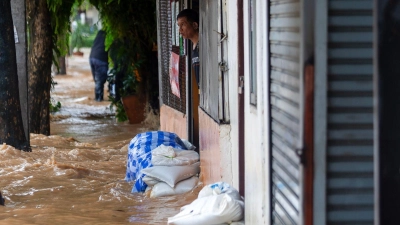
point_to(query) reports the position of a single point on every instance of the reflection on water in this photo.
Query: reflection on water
(75, 176)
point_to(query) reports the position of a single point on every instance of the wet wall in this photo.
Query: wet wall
(388, 77)
(172, 120)
(210, 150)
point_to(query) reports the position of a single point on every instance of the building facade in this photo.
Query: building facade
(291, 105)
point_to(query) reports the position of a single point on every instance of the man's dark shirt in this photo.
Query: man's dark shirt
(196, 64)
(98, 49)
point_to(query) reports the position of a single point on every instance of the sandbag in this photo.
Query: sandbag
(172, 174)
(163, 189)
(169, 156)
(214, 209)
(139, 154)
(150, 181)
(189, 146)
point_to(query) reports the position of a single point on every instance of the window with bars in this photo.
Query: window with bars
(169, 42)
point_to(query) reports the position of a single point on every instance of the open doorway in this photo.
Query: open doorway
(194, 93)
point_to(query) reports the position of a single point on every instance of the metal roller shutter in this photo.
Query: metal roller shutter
(350, 113)
(286, 110)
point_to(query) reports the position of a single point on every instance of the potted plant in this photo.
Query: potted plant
(130, 99)
(129, 42)
(78, 35)
(132, 95)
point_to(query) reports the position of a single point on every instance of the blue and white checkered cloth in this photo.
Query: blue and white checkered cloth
(139, 154)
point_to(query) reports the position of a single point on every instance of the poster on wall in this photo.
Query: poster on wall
(174, 74)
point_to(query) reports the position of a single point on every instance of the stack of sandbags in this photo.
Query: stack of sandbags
(174, 171)
(139, 153)
(217, 203)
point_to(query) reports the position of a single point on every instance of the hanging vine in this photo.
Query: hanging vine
(60, 12)
(131, 33)
(131, 29)
(130, 26)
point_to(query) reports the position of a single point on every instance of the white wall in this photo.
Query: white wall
(232, 53)
(228, 161)
(93, 14)
(257, 203)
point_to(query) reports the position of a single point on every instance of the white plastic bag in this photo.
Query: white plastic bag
(214, 209)
(219, 188)
(217, 203)
(163, 189)
(169, 156)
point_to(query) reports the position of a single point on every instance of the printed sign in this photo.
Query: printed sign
(174, 74)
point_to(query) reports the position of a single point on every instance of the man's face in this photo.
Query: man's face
(186, 28)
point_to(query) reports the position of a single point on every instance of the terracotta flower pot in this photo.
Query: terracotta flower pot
(78, 53)
(134, 107)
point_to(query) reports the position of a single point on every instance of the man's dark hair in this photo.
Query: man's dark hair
(190, 14)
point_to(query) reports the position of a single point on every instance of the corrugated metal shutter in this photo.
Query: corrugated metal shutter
(286, 110)
(165, 41)
(350, 113)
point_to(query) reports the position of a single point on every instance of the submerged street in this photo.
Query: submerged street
(76, 175)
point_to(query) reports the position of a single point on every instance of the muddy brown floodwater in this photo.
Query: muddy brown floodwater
(76, 175)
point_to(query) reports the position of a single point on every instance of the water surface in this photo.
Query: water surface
(76, 175)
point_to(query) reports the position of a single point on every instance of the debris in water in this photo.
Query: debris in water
(2, 200)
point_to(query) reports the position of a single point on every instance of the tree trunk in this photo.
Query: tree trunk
(39, 65)
(62, 66)
(11, 126)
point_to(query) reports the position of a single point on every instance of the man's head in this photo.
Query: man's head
(188, 22)
(190, 14)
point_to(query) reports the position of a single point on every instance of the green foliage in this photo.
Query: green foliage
(131, 29)
(129, 84)
(54, 106)
(131, 32)
(60, 12)
(120, 113)
(79, 35)
(88, 41)
(130, 26)
(130, 21)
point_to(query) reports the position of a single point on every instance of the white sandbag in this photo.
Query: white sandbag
(150, 181)
(166, 151)
(214, 209)
(188, 145)
(172, 174)
(219, 188)
(169, 156)
(163, 189)
(148, 189)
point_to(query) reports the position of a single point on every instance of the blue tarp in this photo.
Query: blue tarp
(139, 154)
